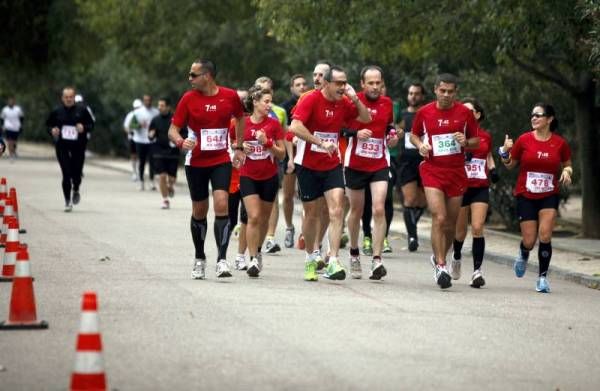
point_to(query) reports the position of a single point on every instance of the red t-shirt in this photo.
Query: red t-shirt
(207, 118)
(260, 164)
(324, 119)
(371, 155)
(477, 169)
(539, 164)
(439, 126)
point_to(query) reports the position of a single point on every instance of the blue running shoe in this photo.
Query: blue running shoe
(542, 285)
(520, 265)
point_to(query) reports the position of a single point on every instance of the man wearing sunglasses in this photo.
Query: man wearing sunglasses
(317, 122)
(207, 110)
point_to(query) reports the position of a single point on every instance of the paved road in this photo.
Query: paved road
(162, 330)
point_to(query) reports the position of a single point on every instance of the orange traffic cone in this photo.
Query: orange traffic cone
(22, 300)
(88, 373)
(12, 196)
(3, 188)
(11, 247)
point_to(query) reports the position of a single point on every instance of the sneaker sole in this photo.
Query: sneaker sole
(273, 249)
(311, 278)
(224, 275)
(197, 277)
(253, 271)
(444, 281)
(413, 247)
(356, 276)
(387, 250)
(339, 275)
(378, 273)
(519, 273)
(478, 282)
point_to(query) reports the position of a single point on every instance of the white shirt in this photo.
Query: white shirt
(143, 116)
(12, 118)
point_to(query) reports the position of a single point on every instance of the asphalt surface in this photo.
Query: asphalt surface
(162, 330)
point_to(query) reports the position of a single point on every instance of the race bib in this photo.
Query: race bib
(371, 148)
(325, 136)
(539, 182)
(407, 143)
(259, 152)
(475, 169)
(69, 132)
(444, 144)
(213, 139)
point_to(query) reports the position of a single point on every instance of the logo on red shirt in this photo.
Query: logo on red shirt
(329, 113)
(542, 155)
(443, 122)
(210, 108)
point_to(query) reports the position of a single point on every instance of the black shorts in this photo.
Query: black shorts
(198, 177)
(11, 135)
(408, 168)
(168, 165)
(476, 194)
(528, 209)
(357, 180)
(266, 189)
(313, 184)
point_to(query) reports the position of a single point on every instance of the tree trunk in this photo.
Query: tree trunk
(589, 152)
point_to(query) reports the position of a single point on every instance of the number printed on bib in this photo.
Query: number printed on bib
(324, 136)
(213, 139)
(371, 148)
(475, 169)
(69, 132)
(444, 144)
(539, 182)
(258, 151)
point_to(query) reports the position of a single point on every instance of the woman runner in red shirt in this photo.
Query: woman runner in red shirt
(259, 182)
(480, 169)
(542, 156)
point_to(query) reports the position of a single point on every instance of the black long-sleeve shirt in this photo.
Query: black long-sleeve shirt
(65, 118)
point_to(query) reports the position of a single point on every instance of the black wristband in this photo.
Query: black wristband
(346, 132)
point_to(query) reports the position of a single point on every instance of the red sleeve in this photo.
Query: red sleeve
(238, 109)
(417, 125)
(304, 108)
(517, 149)
(289, 136)
(565, 152)
(181, 112)
(472, 127)
(232, 125)
(351, 110)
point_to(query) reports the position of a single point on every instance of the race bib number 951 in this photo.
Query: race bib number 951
(475, 169)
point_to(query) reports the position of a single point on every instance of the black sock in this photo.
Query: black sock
(478, 250)
(411, 226)
(457, 249)
(221, 228)
(198, 228)
(354, 252)
(544, 255)
(418, 214)
(389, 215)
(525, 251)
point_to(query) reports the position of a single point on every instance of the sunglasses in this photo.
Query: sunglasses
(538, 115)
(195, 75)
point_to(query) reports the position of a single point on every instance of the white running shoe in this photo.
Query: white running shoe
(199, 270)
(165, 204)
(271, 246)
(355, 269)
(240, 262)
(477, 280)
(288, 242)
(223, 269)
(442, 277)
(455, 269)
(253, 268)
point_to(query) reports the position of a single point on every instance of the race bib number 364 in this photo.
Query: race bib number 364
(444, 144)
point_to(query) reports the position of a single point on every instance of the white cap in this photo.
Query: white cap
(137, 103)
(78, 98)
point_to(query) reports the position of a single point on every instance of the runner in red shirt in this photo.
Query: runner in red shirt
(366, 165)
(446, 127)
(206, 110)
(480, 169)
(259, 179)
(540, 154)
(317, 122)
